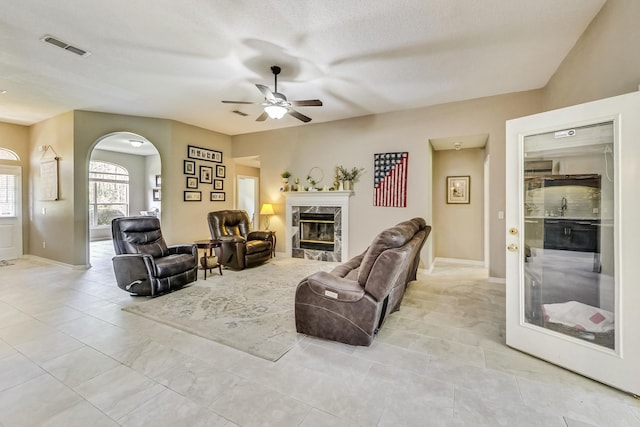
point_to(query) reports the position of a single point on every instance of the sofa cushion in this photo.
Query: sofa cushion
(174, 264)
(393, 237)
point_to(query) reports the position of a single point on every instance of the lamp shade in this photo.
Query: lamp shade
(267, 209)
(275, 111)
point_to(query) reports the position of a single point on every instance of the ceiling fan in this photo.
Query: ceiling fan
(276, 104)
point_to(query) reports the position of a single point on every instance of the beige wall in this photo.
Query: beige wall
(353, 142)
(56, 226)
(74, 135)
(604, 62)
(16, 138)
(458, 230)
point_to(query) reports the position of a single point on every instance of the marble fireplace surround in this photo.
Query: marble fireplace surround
(318, 201)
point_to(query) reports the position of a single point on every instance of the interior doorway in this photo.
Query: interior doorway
(248, 198)
(128, 182)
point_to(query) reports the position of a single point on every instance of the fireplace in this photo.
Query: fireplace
(318, 225)
(317, 231)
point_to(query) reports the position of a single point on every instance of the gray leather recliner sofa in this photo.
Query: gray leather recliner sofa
(349, 304)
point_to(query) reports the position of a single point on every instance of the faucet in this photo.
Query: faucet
(563, 206)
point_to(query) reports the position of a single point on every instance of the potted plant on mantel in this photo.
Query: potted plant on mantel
(347, 177)
(285, 180)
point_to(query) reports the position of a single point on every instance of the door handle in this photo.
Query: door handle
(512, 248)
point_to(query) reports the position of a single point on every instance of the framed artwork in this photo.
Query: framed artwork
(204, 154)
(158, 181)
(390, 179)
(217, 196)
(192, 182)
(192, 196)
(220, 171)
(189, 167)
(458, 188)
(206, 174)
(218, 184)
(157, 195)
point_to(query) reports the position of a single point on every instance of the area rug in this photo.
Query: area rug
(251, 310)
(5, 263)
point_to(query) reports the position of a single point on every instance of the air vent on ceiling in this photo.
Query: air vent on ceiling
(64, 45)
(240, 113)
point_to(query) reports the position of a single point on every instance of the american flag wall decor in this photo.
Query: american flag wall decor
(390, 179)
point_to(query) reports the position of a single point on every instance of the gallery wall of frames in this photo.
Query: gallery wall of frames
(204, 173)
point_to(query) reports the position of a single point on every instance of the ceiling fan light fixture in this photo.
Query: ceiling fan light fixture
(275, 111)
(136, 143)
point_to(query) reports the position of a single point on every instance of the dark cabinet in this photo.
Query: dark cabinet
(572, 235)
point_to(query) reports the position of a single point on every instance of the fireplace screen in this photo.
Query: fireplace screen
(316, 231)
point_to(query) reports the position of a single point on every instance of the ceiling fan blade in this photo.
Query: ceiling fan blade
(266, 92)
(239, 102)
(307, 103)
(299, 116)
(262, 117)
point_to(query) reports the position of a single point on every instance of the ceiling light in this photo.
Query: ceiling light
(275, 111)
(136, 143)
(457, 146)
(3, 91)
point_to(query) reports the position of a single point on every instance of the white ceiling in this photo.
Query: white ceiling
(178, 60)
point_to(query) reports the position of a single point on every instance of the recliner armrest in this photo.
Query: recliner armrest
(260, 235)
(231, 239)
(334, 287)
(184, 249)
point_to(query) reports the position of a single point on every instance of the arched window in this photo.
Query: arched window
(6, 154)
(108, 193)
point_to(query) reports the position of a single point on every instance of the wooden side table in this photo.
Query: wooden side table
(209, 244)
(273, 243)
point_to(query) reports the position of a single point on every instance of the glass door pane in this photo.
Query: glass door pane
(568, 233)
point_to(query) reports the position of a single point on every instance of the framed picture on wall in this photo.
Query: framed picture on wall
(217, 196)
(192, 182)
(220, 171)
(189, 167)
(206, 174)
(158, 181)
(458, 189)
(192, 196)
(218, 184)
(157, 195)
(204, 154)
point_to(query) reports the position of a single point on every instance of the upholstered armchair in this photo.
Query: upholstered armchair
(144, 264)
(241, 247)
(350, 303)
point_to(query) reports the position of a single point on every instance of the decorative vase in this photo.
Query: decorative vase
(347, 185)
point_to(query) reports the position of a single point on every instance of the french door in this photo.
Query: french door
(573, 290)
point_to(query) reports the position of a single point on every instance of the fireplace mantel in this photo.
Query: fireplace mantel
(339, 199)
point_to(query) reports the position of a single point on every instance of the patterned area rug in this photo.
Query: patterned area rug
(251, 310)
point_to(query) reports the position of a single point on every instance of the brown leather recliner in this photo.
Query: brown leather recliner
(144, 264)
(241, 247)
(349, 304)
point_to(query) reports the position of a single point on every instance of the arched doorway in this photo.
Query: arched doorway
(124, 180)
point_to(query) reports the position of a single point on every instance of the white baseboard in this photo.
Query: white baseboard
(58, 263)
(500, 280)
(460, 261)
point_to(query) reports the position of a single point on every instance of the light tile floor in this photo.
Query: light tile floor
(70, 357)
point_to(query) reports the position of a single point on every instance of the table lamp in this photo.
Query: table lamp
(267, 209)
